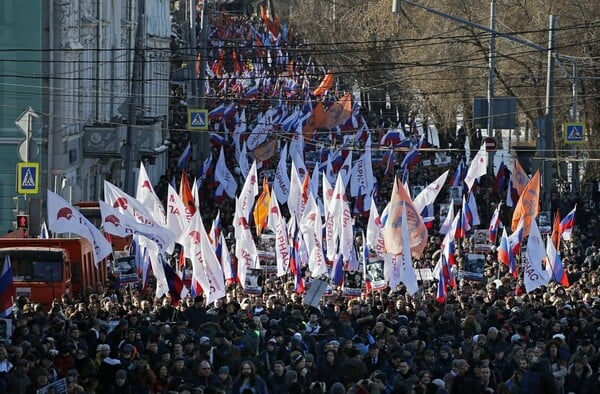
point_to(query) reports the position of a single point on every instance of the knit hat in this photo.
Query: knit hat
(297, 360)
(121, 374)
(224, 369)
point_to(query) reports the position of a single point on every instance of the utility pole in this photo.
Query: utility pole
(492, 65)
(548, 136)
(491, 75)
(135, 99)
(200, 139)
(575, 117)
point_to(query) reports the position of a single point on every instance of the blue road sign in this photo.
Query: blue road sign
(28, 178)
(574, 133)
(197, 119)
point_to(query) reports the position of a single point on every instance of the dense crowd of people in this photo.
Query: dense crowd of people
(489, 336)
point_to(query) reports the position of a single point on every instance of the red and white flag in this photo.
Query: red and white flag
(64, 218)
(477, 168)
(276, 223)
(245, 248)
(125, 203)
(146, 195)
(342, 221)
(178, 216)
(206, 269)
(311, 227)
(122, 224)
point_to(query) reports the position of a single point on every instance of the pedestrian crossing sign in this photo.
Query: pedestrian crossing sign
(197, 119)
(574, 133)
(28, 178)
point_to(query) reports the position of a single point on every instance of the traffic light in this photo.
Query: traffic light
(23, 221)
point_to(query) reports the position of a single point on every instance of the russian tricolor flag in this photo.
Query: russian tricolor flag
(558, 270)
(177, 289)
(217, 112)
(459, 175)
(442, 292)
(7, 289)
(185, 157)
(499, 182)
(494, 224)
(567, 224)
(295, 264)
(506, 255)
(217, 140)
(337, 271)
(410, 160)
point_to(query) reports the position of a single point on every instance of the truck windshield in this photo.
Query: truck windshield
(29, 266)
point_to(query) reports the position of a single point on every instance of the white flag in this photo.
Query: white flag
(329, 173)
(226, 262)
(258, 135)
(146, 195)
(122, 224)
(245, 249)
(430, 193)
(276, 223)
(125, 203)
(64, 218)
(205, 265)
(362, 179)
(375, 231)
(162, 287)
(477, 168)
(240, 127)
(343, 223)
(311, 227)
(295, 202)
(408, 275)
(178, 215)
(281, 183)
(248, 194)
(534, 273)
(241, 157)
(224, 177)
(448, 221)
(346, 169)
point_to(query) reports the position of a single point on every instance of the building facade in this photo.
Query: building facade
(72, 62)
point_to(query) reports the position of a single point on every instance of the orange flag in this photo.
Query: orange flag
(261, 208)
(556, 230)
(265, 151)
(392, 231)
(519, 177)
(339, 112)
(185, 193)
(314, 121)
(528, 206)
(326, 84)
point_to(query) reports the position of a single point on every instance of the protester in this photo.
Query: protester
(487, 333)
